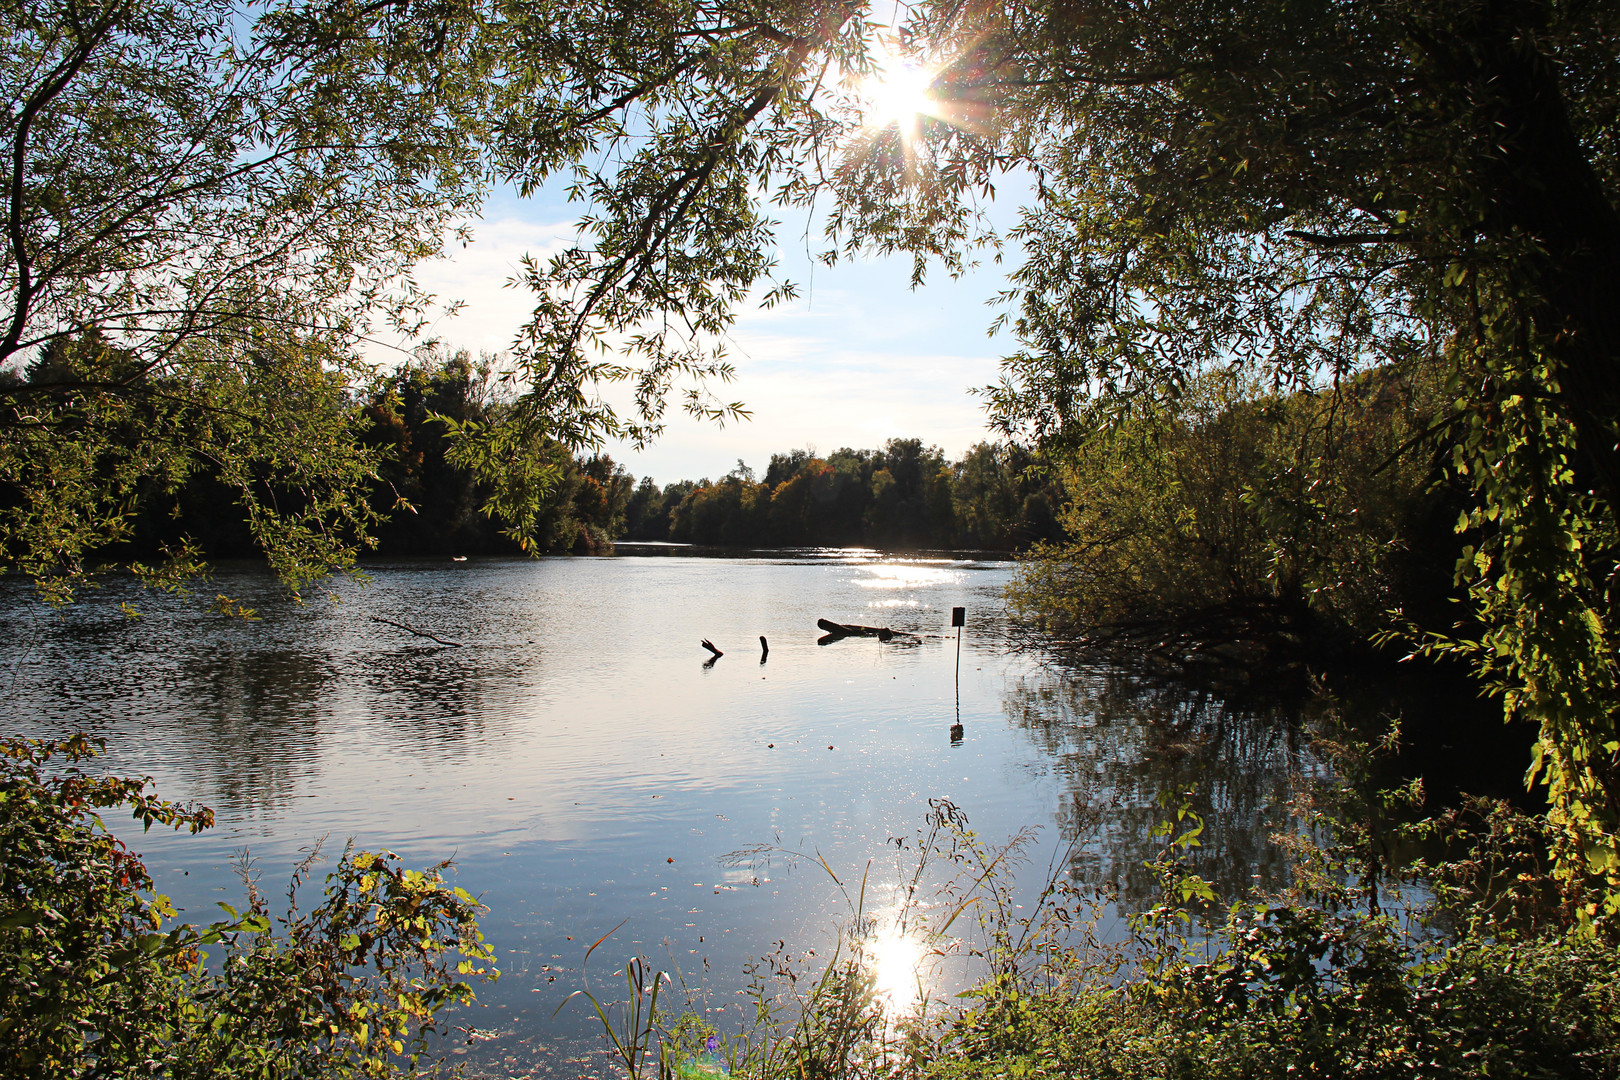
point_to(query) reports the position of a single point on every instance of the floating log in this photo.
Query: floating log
(707, 644)
(838, 630)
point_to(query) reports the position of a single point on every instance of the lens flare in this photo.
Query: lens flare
(899, 93)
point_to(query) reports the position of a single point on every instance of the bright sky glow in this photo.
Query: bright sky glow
(899, 94)
(858, 359)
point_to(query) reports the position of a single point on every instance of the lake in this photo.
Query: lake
(586, 766)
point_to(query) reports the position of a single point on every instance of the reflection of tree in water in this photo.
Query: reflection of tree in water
(253, 721)
(243, 700)
(1121, 740)
(432, 697)
(256, 704)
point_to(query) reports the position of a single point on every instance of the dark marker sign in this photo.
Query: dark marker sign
(958, 616)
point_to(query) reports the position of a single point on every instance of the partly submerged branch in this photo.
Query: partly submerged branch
(418, 633)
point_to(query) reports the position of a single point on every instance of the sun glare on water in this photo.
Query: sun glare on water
(895, 960)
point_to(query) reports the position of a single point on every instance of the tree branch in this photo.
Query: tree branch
(55, 83)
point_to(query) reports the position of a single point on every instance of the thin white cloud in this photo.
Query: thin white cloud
(478, 276)
(859, 358)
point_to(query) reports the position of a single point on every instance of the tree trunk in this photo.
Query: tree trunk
(1547, 192)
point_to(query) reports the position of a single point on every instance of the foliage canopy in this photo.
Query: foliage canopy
(208, 204)
(1303, 190)
(1235, 524)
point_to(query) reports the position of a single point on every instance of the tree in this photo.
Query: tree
(93, 437)
(1302, 190)
(1309, 190)
(1003, 498)
(207, 170)
(208, 204)
(1232, 521)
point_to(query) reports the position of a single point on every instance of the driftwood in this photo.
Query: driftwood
(412, 630)
(843, 630)
(707, 644)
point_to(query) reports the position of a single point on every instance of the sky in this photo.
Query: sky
(859, 358)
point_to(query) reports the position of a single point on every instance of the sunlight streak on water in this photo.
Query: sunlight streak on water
(907, 575)
(897, 959)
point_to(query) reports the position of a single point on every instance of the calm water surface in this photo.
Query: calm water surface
(585, 766)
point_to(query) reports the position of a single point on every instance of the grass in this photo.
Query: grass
(1466, 964)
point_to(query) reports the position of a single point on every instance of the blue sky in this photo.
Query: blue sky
(858, 359)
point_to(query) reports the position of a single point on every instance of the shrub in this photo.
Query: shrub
(96, 978)
(1342, 975)
(1230, 514)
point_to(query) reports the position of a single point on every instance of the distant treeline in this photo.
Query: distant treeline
(905, 495)
(421, 503)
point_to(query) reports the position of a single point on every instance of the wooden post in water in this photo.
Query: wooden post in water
(959, 620)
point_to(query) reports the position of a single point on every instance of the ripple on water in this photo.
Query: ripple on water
(585, 766)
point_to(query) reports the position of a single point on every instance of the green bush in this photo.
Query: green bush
(1230, 513)
(97, 980)
(1470, 963)
(1285, 993)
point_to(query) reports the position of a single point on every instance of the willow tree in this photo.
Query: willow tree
(1301, 190)
(208, 205)
(211, 205)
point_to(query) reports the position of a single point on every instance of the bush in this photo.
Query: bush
(1341, 975)
(96, 979)
(1233, 514)
(1286, 993)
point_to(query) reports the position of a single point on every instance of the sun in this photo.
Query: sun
(899, 92)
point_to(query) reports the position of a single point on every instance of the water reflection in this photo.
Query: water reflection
(256, 733)
(896, 957)
(431, 697)
(906, 576)
(586, 769)
(1123, 742)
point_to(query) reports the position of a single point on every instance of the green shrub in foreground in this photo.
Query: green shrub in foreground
(1475, 974)
(1287, 994)
(97, 981)
(1473, 965)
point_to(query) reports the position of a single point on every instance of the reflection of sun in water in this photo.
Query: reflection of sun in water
(899, 93)
(906, 576)
(895, 961)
